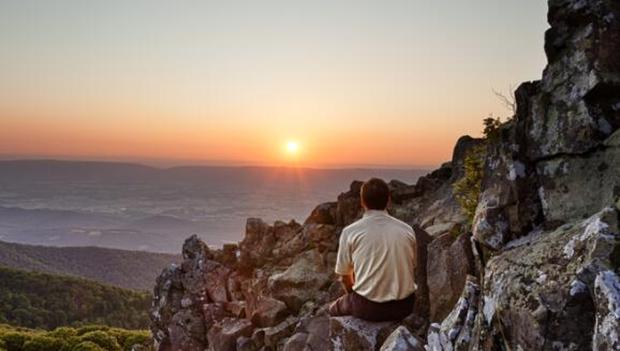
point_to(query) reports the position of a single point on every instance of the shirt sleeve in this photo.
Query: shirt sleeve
(344, 264)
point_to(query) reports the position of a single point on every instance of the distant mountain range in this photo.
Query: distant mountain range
(59, 170)
(127, 269)
(137, 207)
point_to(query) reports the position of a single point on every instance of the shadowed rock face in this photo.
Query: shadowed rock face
(545, 245)
(450, 260)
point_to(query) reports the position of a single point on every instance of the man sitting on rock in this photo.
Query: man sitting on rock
(376, 261)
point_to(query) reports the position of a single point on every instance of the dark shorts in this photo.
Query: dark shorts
(355, 305)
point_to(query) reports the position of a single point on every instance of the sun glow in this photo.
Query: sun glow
(292, 147)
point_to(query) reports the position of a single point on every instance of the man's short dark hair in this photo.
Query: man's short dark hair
(375, 194)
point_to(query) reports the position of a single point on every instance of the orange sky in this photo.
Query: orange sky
(389, 84)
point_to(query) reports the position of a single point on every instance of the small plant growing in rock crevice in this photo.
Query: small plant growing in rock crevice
(467, 189)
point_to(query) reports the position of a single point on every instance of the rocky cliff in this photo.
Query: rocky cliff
(535, 269)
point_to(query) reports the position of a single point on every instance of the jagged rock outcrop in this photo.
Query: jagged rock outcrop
(557, 161)
(456, 331)
(544, 242)
(548, 209)
(271, 290)
(540, 293)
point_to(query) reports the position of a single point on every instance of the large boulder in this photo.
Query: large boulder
(574, 111)
(552, 290)
(350, 333)
(450, 259)
(268, 312)
(401, 339)
(302, 281)
(312, 333)
(324, 213)
(577, 186)
(187, 331)
(223, 336)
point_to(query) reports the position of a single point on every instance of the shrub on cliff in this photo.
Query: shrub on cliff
(467, 189)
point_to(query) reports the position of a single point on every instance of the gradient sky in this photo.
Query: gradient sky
(385, 82)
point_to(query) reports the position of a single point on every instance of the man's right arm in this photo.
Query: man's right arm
(347, 282)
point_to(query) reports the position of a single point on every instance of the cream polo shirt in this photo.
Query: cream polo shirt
(380, 250)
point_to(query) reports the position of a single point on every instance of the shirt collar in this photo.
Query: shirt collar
(374, 213)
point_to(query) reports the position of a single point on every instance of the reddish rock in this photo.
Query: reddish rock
(224, 334)
(216, 281)
(236, 308)
(268, 312)
(324, 237)
(324, 213)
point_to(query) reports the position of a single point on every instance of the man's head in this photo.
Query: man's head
(375, 194)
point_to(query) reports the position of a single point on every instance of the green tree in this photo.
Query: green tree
(43, 343)
(467, 189)
(101, 338)
(88, 346)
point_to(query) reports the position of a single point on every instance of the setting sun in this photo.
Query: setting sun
(292, 147)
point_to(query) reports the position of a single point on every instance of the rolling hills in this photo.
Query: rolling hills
(126, 269)
(42, 300)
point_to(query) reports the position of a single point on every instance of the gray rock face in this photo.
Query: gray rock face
(457, 330)
(539, 294)
(574, 111)
(607, 297)
(558, 160)
(577, 186)
(299, 282)
(401, 339)
(349, 333)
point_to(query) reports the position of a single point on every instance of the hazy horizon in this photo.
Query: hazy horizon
(171, 163)
(122, 205)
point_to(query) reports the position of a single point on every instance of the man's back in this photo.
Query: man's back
(380, 251)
